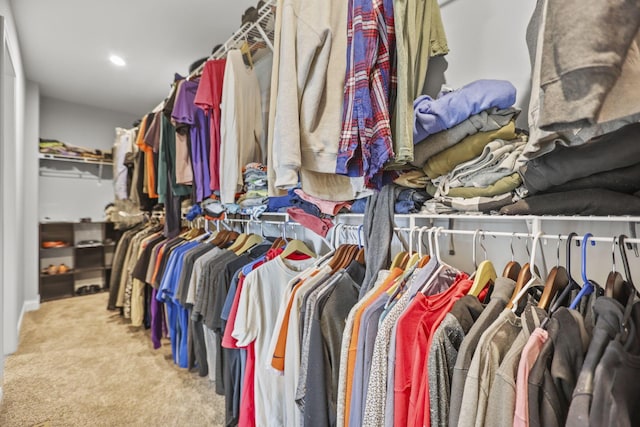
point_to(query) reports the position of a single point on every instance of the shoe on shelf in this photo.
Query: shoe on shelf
(82, 290)
(94, 289)
(63, 268)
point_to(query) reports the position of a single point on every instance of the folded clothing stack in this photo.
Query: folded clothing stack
(255, 197)
(467, 147)
(479, 174)
(598, 178)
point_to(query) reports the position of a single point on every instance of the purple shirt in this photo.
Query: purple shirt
(450, 109)
(186, 112)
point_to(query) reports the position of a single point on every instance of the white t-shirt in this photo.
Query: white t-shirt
(262, 292)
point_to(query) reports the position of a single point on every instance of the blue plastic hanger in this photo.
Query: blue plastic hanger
(587, 286)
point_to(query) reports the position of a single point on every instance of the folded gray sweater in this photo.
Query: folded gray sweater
(484, 121)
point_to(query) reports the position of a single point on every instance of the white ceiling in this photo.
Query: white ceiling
(66, 44)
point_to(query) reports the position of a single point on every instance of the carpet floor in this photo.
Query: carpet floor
(80, 365)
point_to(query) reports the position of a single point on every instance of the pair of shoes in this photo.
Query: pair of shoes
(56, 269)
(86, 290)
(49, 244)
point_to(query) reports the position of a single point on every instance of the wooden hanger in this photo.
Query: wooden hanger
(349, 256)
(251, 241)
(423, 261)
(534, 281)
(397, 260)
(219, 237)
(297, 246)
(337, 257)
(557, 279)
(513, 268)
(238, 242)
(523, 278)
(360, 256)
(245, 49)
(231, 237)
(616, 287)
(412, 261)
(485, 275)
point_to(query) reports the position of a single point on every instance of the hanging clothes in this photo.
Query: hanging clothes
(241, 124)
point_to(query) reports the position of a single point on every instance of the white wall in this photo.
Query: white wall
(487, 41)
(69, 198)
(12, 192)
(83, 125)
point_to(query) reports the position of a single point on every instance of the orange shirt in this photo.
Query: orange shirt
(279, 352)
(353, 343)
(149, 167)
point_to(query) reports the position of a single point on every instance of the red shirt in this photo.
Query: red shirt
(419, 405)
(247, 400)
(208, 97)
(411, 354)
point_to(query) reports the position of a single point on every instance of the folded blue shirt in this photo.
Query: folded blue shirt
(452, 108)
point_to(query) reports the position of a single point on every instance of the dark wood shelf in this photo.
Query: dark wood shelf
(56, 249)
(88, 269)
(68, 273)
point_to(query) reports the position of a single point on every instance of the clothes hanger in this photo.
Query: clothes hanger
(474, 258)
(424, 259)
(535, 280)
(408, 267)
(513, 268)
(398, 259)
(340, 252)
(245, 49)
(485, 274)
(627, 326)
(230, 238)
(436, 253)
(295, 246)
(239, 242)
(360, 256)
(523, 277)
(615, 286)
(573, 285)
(588, 286)
(557, 279)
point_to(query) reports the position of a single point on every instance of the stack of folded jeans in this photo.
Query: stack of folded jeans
(410, 201)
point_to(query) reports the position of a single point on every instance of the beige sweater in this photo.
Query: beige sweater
(309, 72)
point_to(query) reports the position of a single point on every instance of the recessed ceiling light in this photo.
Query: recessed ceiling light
(117, 60)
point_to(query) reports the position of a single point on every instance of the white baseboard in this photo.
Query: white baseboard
(32, 305)
(0, 392)
(29, 305)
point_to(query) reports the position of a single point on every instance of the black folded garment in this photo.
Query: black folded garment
(623, 180)
(619, 149)
(580, 202)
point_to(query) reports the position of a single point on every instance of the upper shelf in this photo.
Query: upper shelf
(72, 159)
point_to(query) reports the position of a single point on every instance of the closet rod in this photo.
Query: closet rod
(528, 235)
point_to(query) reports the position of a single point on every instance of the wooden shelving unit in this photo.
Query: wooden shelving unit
(89, 262)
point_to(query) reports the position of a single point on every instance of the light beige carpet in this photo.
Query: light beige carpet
(80, 365)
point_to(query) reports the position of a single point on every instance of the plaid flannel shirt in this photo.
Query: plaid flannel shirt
(370, 82)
